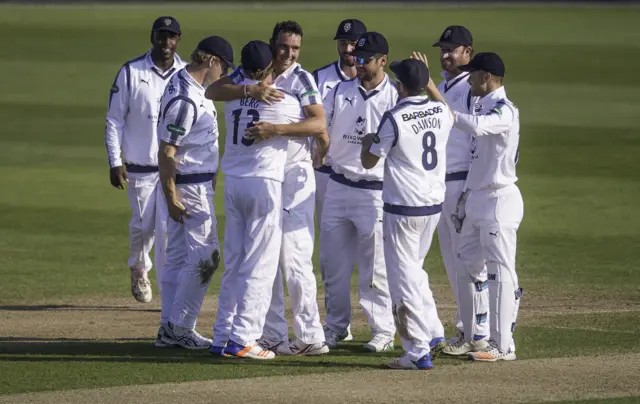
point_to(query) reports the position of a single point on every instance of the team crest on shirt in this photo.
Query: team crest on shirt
(360, 125)
(477, 108)
(347, 27)
(171, 89)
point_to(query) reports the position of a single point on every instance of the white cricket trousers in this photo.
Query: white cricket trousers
(253, 236)
(406, 243)
(191, 244)
(449, 240)
(487, 281)
(148, 225)
(351, 233)
(296, 255)
(322, 179)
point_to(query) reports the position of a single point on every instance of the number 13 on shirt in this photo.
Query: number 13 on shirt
(237, 114)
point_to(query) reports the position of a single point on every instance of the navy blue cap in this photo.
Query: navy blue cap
(370, 44)
(166, 23)
(454, 36)
(412, 73)
(351, 30)
(485, 61)
(217, 46)
(256, 55)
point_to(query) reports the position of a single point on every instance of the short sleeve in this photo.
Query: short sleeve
(306, 89)
(386, 137)
(178, 117)
(237, 76)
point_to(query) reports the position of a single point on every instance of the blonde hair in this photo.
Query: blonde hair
(200, 57)
(262, 74)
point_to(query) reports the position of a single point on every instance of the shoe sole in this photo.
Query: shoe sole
(249, 355)
(142, 299)
(316, 352)
(371, 348)
(160, 344)
(455, 353)
(505, 358)
(179, 345)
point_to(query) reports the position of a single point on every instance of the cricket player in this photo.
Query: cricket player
(344, 69)
(490, 211)
(351, 229)
(455, 49)
(412, 140)
(298, 188)
(132, 148)
(188, 157)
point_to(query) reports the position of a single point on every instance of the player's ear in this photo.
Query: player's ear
(383, 60)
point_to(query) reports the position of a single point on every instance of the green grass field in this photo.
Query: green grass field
(69, 321)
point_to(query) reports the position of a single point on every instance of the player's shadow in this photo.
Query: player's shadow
(70, 307)
(18, 350)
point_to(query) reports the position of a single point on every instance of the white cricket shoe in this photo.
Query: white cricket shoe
(380, 343)
(492, 354)
(463, 347)
(251, 352)
(331, 337)
(161, 332)
(140, 286)
(346, 335)
(191, 339)
(297, 347)
(270, 344)
(404, 362)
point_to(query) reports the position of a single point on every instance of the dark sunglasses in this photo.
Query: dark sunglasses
(363, 61)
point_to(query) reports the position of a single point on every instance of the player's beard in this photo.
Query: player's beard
(347, 60)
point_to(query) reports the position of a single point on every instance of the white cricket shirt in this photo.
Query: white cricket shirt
(495, 126)
(412, 139)
(245, 157)
(328, 77)
(352, 112)
(456, 92)
(298, 82)
(134, 106)
(188, 121)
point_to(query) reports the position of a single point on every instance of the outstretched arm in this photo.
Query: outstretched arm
(227, 89)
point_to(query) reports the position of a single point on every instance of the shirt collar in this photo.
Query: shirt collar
(287, 73)
(341, 74)
(415, 98)
(444, 76)
(151, 65)
(379, 87)
(497, 94)
(186, 76)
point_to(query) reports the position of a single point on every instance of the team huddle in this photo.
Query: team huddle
(381, 160)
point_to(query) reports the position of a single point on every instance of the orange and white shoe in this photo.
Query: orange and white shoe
(492, 354)
(254, 351)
